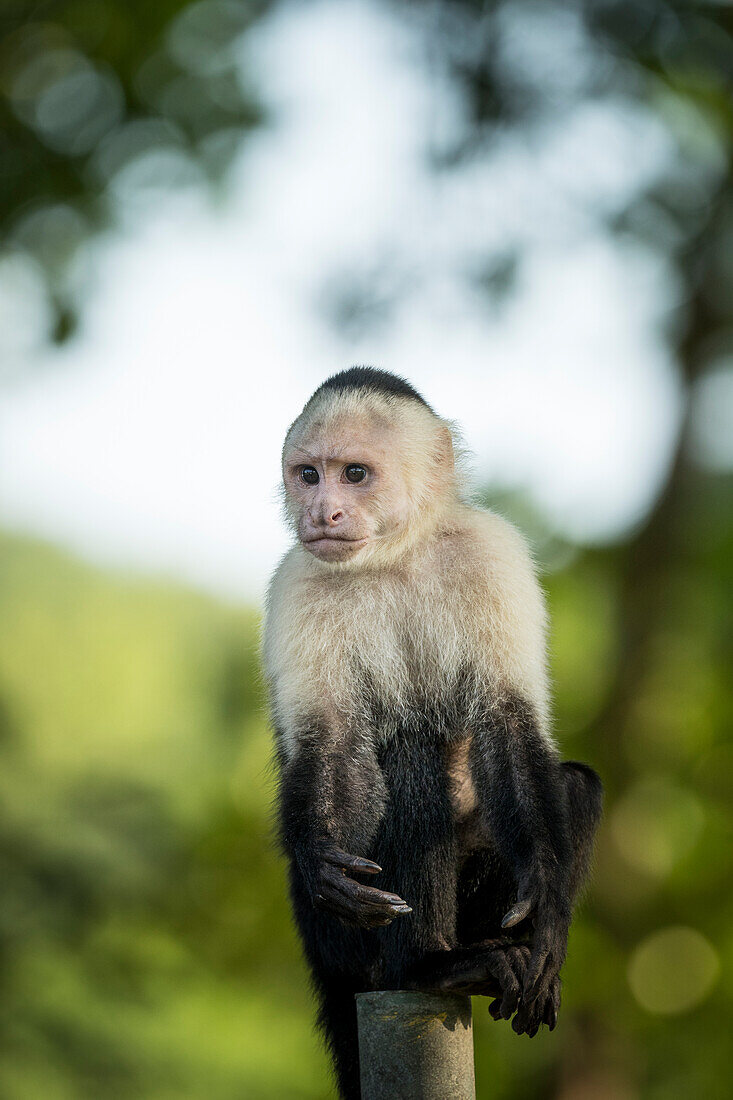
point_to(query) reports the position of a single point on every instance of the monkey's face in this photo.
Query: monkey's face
(344, 491)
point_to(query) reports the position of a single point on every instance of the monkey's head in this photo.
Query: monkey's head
(368, 468)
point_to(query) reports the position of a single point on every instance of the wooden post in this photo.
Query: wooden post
(415, 1046)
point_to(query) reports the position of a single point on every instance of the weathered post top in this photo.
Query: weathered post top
(415, 1046)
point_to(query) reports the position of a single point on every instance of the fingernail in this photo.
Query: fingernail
(403, 909)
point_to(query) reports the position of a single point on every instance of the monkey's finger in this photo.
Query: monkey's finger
(365, 895)
(495, 1009)
(539, 984)
(538, 977)
(517, 913)
(516, 966)
(543, 965)
(549, 1016)
(529, 1017)
(352, 912)
(368, 895)
(554, 1004)
(510, 1001)
(510, 986)
(337, 858)
(519, 959)
(519, 1023)
(509, 975)
(337, 906)
(529, 1031)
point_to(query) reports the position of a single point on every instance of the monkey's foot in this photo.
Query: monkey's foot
(529, 1017)
(528, 1014)
(495, 968)
(484, 970)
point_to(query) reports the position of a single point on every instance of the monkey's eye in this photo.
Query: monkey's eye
(355, 473)
(309, 474)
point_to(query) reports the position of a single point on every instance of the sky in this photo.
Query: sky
(152, 440)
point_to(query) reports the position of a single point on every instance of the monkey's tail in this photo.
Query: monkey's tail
(337, 1023)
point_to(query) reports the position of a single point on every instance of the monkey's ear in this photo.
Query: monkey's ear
(444, 449)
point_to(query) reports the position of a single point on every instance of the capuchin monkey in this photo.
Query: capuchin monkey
(404, 650)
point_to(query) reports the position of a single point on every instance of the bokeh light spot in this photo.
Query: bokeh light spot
(673, 970)
(656, 824)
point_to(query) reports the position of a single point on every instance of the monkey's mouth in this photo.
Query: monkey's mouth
(332, 545)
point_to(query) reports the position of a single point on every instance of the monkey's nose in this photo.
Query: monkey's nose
(335, 517)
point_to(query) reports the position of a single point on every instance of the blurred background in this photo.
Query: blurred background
(526, 207)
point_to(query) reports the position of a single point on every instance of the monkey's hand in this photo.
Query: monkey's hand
(347, 899)
(551, 923)
(495, 968)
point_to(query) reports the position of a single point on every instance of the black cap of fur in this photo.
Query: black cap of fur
(372, 380)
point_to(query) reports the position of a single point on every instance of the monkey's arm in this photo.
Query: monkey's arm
(521, 788)
(331, 798)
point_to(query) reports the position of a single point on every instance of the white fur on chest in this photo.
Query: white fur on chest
(400, 640)
(409, 633)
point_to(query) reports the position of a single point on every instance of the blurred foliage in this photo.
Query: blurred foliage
(522, 65)
(101, 97)
(145, 942)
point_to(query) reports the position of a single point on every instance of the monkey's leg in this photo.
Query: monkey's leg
(585, 807)
(489, 963)
(486, 888)
(584, 792)
(521, 791)
(417, 848)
